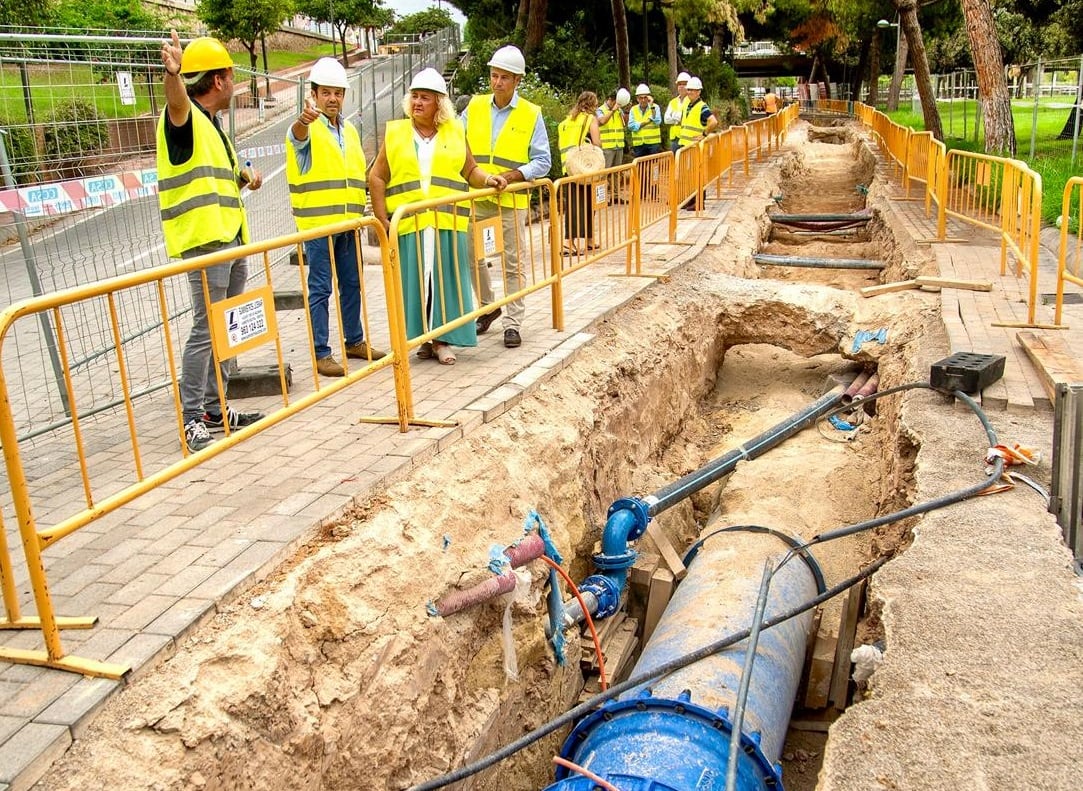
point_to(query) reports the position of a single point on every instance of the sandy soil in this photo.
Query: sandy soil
(331, 675)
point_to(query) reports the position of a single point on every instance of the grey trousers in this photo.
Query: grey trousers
(198, 383)
(513, 228)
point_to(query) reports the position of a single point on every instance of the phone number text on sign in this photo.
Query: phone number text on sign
(243, 322)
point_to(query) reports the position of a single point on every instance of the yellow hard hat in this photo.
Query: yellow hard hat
(205, 54)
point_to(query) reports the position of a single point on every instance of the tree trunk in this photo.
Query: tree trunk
(535, 27)
(620, 34)
(908, 19)
(897, 75)
(996, 105)
(862, 69)
(521, 17)
(671, 46)
(874, 69)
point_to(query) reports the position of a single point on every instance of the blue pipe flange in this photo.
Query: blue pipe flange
(661, 743)
(639, 511)
(617, 562)
(606, 590)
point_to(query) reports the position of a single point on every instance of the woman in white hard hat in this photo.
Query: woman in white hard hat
(426, 156)
(580, 126)
(325, 168)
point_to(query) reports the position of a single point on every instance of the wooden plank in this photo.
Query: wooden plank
(887, 288)
(949, 282)
(1026, 325)
(852, 607)
(819, 679)
(810, 644)
(1052, 359)
(660, 592)
(669, 554)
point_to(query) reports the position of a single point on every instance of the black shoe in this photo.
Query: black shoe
(512, 338)
(236, 419)
(485, 320)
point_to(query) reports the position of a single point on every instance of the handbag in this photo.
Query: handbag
(584, 158)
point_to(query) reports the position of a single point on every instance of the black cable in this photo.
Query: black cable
(797, 546)
(618, 689)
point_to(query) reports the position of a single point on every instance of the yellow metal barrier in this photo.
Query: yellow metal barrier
(654, 176)
(1002, 195)
(1070, 259)
(109, 485)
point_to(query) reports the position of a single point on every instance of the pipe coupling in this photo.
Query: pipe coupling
(606, 591)
(639, 513)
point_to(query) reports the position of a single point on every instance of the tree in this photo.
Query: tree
(245, 21)
(996, 103)
(352, 13)
(423, 22)
(901, 51)
(26, 13)
(908, 21)
(620, 34)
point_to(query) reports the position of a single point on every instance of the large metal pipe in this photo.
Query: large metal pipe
(676, 735)
(770, 259)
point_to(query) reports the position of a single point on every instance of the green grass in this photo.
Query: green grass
(1052, 157)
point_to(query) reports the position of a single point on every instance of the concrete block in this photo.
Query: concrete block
(29, 753)
(289, 300)
(259, 380)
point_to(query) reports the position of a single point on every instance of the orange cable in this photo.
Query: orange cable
(586, 615)
(585, 772)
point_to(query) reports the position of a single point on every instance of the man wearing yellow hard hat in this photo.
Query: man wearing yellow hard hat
(199, 196)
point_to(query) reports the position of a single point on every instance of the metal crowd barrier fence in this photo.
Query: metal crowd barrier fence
(1002, 195)
(1070, 259)
(93, 446)
(654, 175)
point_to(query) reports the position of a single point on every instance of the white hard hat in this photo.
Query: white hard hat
(623, 97)
(643, 89)
(429, 80)
(328, 72)
(509, 59)
(694, 84)
(684, 76)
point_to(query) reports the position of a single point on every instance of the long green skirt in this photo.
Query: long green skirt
(436, 285)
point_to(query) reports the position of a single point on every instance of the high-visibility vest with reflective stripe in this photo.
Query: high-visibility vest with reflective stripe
(199, 200)
(404, 186)
(571, 134)
(691, 125)
(612, 131)
(511, 150)
(333, 189)
(649, 132)
(676, 106)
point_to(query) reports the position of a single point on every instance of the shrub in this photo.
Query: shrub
(74, 136)
(22, 153)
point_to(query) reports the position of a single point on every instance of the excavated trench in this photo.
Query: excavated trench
(340, 679)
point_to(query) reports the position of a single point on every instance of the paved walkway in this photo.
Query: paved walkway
(156, 570)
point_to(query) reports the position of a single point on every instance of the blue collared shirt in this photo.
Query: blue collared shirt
(540, 158)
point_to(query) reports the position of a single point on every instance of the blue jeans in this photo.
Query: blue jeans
(318, 260)
(198, 383)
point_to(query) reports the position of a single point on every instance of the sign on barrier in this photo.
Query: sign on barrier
(489, 236)
(243, 322)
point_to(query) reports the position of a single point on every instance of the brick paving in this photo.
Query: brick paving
(155, 570)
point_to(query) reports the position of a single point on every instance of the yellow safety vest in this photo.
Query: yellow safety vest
(571, 134)
(404, 186)
(333, 189)
(649, 132)
(612, 131)
(511, 150)
(691, 125)
(200, 200)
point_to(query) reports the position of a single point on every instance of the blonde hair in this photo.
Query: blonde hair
(587, 102)
(445, 110)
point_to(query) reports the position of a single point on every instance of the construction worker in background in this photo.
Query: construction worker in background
(675, 111)
(325, 168)
(612, 123)
(770, 101)
(199, 196)
(697, 120)
(645, 124)
(507, 136)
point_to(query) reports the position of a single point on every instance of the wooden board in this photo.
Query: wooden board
(887, 288)
(852, 608)
(948, 282)
(819, 677)
(669, 554)
(1053, 359)
(660, 592)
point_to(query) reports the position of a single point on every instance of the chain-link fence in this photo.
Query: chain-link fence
(78, 118)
